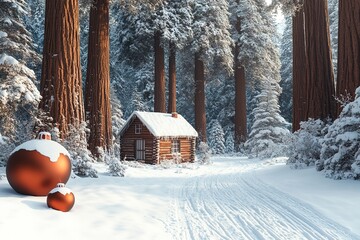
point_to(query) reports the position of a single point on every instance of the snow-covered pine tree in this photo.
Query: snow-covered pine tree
(84, 36)
(35, 24)
(185, 84)
(286, 71)
(19, 96)
(212, 44)
(229, 143)
(117, 122)
(268, 130)
(340, 152)
(220, 99)
(216, 138)
(177, 31)
(132, 68)
(15, 39)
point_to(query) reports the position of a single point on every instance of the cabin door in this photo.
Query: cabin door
(140, 149)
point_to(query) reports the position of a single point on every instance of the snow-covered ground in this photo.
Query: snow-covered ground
(233, 198)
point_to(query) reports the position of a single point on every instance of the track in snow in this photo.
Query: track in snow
(241, 206)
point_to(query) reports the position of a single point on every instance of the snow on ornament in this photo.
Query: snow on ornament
(36, 166)
(61, 198)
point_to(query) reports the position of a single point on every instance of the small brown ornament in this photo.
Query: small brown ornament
(61, 198)
(36, 166)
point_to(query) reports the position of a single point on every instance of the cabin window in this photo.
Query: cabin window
(138, 128)
(175, 146)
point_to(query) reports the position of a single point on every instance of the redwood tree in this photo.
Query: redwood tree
(319, 71)
(212, 42)
(299, 97)
(200, 114)
(97, 98)
(240, 93)
(348, 78)
(172, 78)
(313, 81)
(60, 85)
(159, 87)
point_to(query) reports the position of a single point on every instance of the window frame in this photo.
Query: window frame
(138, 128)
(175, 145)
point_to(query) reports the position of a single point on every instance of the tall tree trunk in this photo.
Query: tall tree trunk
(313, 78)
(299, 98)
(200, 113)
(98, 79)
(60, 84)
(159, 88)
(319, 70)
(172, 78)
(240, 96)
(348, 78)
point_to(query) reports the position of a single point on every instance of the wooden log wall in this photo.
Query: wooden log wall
(186, 149)
(128, 142)
(156, 149)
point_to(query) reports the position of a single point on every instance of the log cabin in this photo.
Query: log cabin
(152, 137)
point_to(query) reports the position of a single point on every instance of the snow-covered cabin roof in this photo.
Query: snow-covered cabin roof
(163, 124)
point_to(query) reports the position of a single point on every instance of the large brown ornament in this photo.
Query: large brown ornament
(36, 166)
(61, 198)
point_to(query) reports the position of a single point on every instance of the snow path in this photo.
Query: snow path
(241, 206)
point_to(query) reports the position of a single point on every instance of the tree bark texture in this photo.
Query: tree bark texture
(299, 99)
(172, 78)
(319, 70)
(97, 95)
(60, 85)
(313, 78)
(240, 95)
(159, 88)
(200, 114)
(348, 78)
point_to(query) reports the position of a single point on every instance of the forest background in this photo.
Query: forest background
(232, 70)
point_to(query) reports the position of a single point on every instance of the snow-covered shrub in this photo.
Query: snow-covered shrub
(167, 164)
(340, 154)
(305, 144)
(112, 160)
(83, 168)
(216, 138)
(75, 143)
(203, 153)
(5, 149)
(116, 168)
